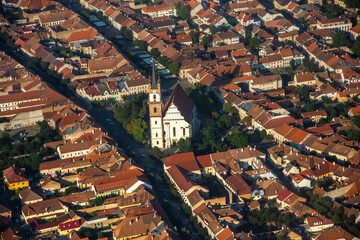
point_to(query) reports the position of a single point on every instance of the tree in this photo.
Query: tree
(340, 39)
(212, 29)
(205, 41)
(239, 140)
(139, 127)
(155, 53)
(229, 109)
(184, 145)
(182, 11)
(225, 121)
(174, 68)
(253, 43)
(194, 38)
(352, 4)
(356, 47)
(263, 134)
(156, 153)
(292, 64)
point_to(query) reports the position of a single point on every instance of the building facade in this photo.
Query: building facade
(173, 120)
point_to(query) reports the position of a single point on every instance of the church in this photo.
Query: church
(173, 120)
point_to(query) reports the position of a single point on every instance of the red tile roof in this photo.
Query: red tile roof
(284, 194)
(238, 184)
(83, 35)
(71, 224)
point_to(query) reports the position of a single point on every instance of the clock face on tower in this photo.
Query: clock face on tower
(154, 91)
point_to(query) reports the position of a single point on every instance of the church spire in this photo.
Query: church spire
(153, 77)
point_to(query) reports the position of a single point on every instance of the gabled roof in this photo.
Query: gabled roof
(187, 161)
(29, 195)
(182, 101)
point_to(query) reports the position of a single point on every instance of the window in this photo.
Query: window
(157, 142)
(155, 122)
(174, 132)
(156, 135)
(154, 97)
(154, 109)
(183, 131)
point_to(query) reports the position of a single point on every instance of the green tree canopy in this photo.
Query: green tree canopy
(253, 43)
(194, 38)
(352, 3)
(205, 41)
(174, 68)
(212, 29)
(182, 11)
(356, 47)
(184, 145)
(340, 39)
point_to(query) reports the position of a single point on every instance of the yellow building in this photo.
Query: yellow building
(15, 179)
(340, 3)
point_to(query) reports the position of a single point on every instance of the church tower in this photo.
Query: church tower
(155, 111)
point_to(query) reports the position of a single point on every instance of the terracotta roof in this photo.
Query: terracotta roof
(355, 29)
(29, 194)
(186, 161)
(83, 35)
(238, 184)
(204, 161)
(42, 207)
(14, 175)
(180, 177)
(321, 113)
(286, 52)
(334, 233)
(225, 234)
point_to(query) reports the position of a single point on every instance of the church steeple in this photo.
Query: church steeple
(153, 80)
(155, 111)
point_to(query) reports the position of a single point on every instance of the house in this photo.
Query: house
(159, 10)
(336, 24)
(5, 216)
(137, 226)
(44, 209)
(15, 178)
(281, 4)
(271, 62)
(254, 205)
(317, 223)
(237, 185)
(335, 233)
(305, 79)
(287, 55)
(314, 116)
(186, 161)
(354, 32)
(49, 185)
(288, 36)
(69, 150)
(354, 111)
(8, 234)
(265, 83)
(287, 199)
(227, 38)
(30, 195)
(301, 181)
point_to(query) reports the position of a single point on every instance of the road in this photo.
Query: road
(117, 132)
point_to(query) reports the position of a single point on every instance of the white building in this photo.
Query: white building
(172, 122)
